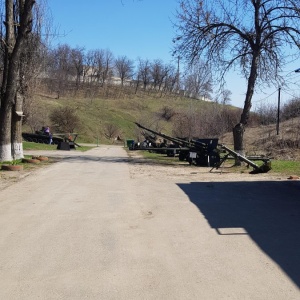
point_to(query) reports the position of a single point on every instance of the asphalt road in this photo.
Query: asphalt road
(85, 228)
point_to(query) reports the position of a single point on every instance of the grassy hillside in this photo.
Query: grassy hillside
(97, 114)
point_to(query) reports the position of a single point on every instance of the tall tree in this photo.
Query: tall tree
(198, 80)
(249, 34)
(77, 57)
(143, 72)
(62, 67)
(18, 25)
(124, 68)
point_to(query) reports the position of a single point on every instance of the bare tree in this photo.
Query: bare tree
(88, 66)
(267, 113)
(249, 35)
(198, 81)
(291, 109)
(98, 64)
(111, 131)
(31, 62)
(144, 72)
(77, 58)
(171, 80)
(65, 119)
(224, 96)
(18, 26)
(108, 66)
(62, 68)
(35, 115)
(124, 68)
(158, 72)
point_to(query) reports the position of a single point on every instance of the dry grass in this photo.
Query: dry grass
(263, 140)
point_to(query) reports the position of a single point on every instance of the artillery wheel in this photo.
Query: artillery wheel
(182, 155)
(170, 153)
(214, 159)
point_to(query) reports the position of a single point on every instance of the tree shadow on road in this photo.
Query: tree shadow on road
(269, 211)
(115, 159)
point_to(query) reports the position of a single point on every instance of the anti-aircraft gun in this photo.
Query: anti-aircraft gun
(206, 152)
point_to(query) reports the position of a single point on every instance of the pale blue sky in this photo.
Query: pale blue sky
(127, 27)
(140, 28)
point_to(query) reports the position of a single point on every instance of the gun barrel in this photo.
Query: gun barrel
(239, 156)
(169, 138)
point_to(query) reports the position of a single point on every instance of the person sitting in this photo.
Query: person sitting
(47, 130)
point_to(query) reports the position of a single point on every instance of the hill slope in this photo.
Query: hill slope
(264, 140)
(99, 115)
(102, 120)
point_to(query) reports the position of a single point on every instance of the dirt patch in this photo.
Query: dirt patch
(8, 178)
(183, 172)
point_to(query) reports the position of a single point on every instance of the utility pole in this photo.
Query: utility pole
(178, 74)
(278, 112)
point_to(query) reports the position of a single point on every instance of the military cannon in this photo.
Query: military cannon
(206, 152)
(201, 152)
(66, 141)
(41, 137)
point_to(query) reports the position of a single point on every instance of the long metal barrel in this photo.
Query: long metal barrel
(239, 156)
(169, 138)
(196, 143)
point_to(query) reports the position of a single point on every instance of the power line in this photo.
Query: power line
(290, 94)
(263, 99)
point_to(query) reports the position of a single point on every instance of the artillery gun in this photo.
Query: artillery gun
(201, 152)
(63, 141)
(206, 152)
(41, 137)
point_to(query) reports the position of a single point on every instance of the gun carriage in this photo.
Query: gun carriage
(206, 152)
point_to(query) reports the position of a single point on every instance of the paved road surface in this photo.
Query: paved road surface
(85, 228)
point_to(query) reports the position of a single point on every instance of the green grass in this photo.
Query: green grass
(282, 167)
(160, 158)
(26, 165)
(38, 146)
(96, 113)
(286, 167)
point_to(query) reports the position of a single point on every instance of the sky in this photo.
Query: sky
(143, 29)
(133, 28)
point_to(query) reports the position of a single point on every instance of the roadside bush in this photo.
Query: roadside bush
(65, 119)
(291, 109)
(167, 113)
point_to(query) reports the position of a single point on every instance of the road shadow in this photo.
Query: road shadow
(116, 159)
(269, 211)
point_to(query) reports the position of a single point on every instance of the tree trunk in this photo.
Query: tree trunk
(14, 47)
(239, 129)
(16, 129)
(5, 133)
(238, 141)
(6, 104)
